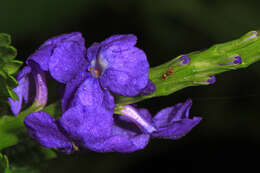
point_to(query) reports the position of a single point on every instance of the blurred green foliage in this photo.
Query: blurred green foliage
(4, 164)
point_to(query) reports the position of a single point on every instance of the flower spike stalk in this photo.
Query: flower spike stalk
(232, 55)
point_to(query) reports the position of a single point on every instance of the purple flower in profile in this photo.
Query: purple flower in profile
(123, 133)
(62, 56)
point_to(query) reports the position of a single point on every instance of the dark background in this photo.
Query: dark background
(227, 139)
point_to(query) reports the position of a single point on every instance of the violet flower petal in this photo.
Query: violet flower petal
(126, 137)
(70, 89)
(90, 94)
(174, 122)
(89, 120)
(141, 118)
(24, 79)
(177, 129)
(172, 114)
(63, 56)
(124, 68)
(22, 91)
(66, 61)
(42, 56)
(127, 68)
(43, 127)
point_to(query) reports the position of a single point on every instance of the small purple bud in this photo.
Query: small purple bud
(236, 60)
(185, 59)
(150, 88)
(211, 80)
(134, 115)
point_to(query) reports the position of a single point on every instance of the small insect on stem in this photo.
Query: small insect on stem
(168, 73)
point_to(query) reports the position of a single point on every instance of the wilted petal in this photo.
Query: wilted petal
(177, 129)
(44, 128)
(172, 114)
(174, 122)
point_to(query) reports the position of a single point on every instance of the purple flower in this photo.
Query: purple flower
(123, 133)
(63, 56)
(116, 64)
(121, 67)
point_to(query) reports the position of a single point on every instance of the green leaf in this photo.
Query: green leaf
(28, 153)
(8, 67)
(12, 67)
(12, 127)
(5, 39)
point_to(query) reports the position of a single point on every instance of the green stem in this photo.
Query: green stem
(202, 66)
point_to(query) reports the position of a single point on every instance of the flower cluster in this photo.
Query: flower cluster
(92, 77)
